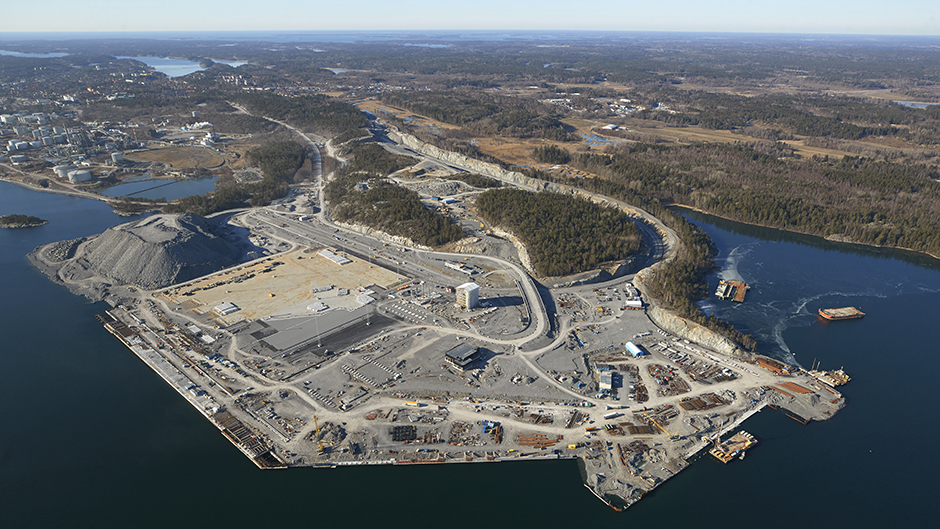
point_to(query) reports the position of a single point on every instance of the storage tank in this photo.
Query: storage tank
(62, 171)
(81, 175)
(117, 157)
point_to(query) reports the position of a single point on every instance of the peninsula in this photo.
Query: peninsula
(309, 343)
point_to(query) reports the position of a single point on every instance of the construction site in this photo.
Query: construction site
(335, 348)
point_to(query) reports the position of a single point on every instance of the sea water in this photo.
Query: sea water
(92, 437)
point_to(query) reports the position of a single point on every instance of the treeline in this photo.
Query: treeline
(483, 114)
(866, 200)
(321, 114)
(359, 194)
(783, 115)
(279, 163)
(562, 234)
(805, 116)
(551, 154)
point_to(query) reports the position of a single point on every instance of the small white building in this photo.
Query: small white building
(468, 295)
(226, 308)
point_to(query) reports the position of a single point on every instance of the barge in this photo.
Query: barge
(843, 313)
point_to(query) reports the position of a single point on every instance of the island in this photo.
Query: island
(21, 221)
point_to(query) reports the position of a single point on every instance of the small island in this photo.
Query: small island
(21, 221)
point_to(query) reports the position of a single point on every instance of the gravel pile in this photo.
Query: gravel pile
(159, 251)
(438, 188)
(62, 250)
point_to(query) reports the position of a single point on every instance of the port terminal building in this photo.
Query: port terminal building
(462, 356)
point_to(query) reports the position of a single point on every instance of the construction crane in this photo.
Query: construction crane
(671, 436)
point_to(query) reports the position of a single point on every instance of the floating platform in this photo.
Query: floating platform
(724, 290)
(735, 446)
(735, 290)
(842, 313)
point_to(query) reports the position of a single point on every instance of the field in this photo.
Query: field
(180, 158)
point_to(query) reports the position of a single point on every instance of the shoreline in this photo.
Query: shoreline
(827, 239)
(19, 226)
(111, 201)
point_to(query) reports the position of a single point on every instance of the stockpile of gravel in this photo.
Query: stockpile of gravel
(62, 250)
(159, 251)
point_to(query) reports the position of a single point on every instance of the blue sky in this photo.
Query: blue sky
(883, 17)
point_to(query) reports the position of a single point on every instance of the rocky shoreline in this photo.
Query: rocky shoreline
(24, 225)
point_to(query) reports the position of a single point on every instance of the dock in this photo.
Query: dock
(735, 446)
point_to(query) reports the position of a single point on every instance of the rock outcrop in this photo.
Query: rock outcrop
(694, 332)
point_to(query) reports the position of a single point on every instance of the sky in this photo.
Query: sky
(879, 17)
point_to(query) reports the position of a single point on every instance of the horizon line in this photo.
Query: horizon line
(456, 30)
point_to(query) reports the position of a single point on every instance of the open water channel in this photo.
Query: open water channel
(93, 438)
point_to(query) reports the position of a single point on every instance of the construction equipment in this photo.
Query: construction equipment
(654, 421)
(321, 444)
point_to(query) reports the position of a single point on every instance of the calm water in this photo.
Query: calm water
(92, 438)
(177, 67)
(168, 189)
(33, 55)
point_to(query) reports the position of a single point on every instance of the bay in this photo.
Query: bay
(177, 67)
(155, 189)
(92, 437)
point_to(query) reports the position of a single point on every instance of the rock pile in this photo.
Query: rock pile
(159, 251)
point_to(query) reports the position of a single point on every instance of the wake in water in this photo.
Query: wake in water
(782, 297)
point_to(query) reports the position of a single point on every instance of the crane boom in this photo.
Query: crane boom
(671, 436)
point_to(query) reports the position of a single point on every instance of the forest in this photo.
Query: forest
(360, 194)
(855, 199)
(678, 284)
(562, 234)
(20, 220)
(323, 115)
(483, 114)
(278, 161)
